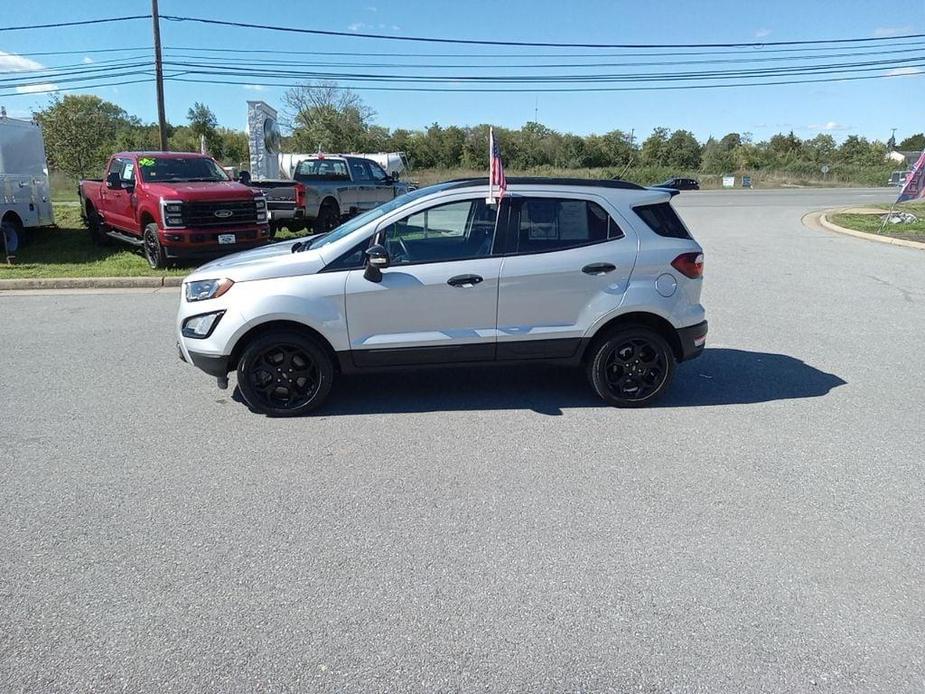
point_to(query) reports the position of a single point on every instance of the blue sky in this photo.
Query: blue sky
(870, 107)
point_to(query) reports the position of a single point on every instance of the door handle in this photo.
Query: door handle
(598, 268)
(464, 280)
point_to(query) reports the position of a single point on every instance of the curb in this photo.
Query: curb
(90, 283)
(824, 222)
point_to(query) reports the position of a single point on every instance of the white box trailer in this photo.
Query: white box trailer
(25, 198)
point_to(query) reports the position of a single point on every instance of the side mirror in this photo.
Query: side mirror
(377, 259)
(114, 180)
(244, 177)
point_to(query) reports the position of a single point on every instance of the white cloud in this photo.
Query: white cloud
(10, 62)
(33, 88)
(829, 126)
(761, 33)
(87, 60)
(887, 32)
(254, 87)
(363, 26)
(904, 72)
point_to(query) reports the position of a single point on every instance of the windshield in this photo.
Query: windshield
(352, 225)
(180, 169)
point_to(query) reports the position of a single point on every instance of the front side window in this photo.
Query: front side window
(127, 174)
(454, 231)
(378, 174)
(553, 224)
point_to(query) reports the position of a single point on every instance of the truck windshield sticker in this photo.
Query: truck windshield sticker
(146, 161)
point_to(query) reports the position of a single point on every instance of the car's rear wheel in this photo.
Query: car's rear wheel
(95, 226)
(328, 218)
(154, 251)
(284, 374)
(631, 367)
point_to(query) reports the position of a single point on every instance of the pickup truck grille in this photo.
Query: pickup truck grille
(203, 214)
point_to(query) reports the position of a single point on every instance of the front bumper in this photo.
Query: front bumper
(212, 365)
(693, 339)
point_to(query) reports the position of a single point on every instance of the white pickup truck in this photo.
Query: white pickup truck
(25, 199)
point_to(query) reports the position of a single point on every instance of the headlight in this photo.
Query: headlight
(173, 213)
(201, 290)
(201, 326)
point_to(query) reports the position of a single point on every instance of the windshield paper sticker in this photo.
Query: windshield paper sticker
(146, 161)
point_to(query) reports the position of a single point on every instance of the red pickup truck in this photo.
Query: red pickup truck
(173, 206)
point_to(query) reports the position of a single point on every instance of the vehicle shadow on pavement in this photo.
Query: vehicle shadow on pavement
(720, 376)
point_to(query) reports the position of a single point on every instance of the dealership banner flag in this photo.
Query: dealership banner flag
(915, 182)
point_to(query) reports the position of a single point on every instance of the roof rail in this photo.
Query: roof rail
(553, 180)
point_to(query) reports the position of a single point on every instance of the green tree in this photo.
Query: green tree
(81, 131)
(322, 115)
(683, 150)
(913, 143)
(655, 148)
(203, 123)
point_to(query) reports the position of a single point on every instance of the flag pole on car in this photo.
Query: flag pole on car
(495, 170)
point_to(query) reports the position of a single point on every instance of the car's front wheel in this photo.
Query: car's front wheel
(284, 374)
(631, 367)
(154, 251)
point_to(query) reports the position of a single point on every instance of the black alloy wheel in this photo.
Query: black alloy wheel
(154, 252)
(284, 374)
(632, 367)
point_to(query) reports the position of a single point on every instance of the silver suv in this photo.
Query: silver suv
(598, 274)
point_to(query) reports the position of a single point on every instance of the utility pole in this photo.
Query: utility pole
(159, 76)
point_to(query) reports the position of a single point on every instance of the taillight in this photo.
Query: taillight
(689, 265)
(299, 195)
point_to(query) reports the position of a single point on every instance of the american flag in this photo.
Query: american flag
(496, 177)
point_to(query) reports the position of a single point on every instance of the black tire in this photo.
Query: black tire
(154, 251)
(328, 218)
(271, 232)
(12, 238)
(631, 367)
(95, 225)
(267, 372)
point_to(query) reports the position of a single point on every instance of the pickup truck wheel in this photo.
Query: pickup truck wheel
(154, 252)
(95, 226)
(284, 374)
(328, 218)
(631, 367)
(11, 237)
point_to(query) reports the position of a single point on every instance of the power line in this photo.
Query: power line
(480, 54)
(535, 44)
(76, 87)
(88, 51)
(102, 20)
(495, 65)
(546, 90)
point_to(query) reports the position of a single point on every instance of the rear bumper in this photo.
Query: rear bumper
(693, 339)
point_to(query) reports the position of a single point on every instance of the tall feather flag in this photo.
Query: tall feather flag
(914, 187)
(495, 168)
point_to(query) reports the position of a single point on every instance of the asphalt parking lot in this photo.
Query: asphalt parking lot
(762, 529)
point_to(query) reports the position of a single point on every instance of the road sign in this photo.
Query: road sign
(824, 169)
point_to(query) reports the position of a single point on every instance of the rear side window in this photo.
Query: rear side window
(551, 224)
(322, 170)
(663, 220)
